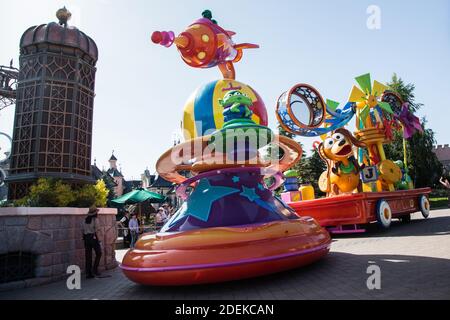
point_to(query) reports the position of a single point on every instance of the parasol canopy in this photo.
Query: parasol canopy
(139, 195)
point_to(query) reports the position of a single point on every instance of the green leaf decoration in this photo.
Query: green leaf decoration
(332, 105)
(360, 124)
(364, 113)
(385, 106)
(364, 83)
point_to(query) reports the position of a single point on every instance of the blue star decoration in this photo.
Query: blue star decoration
(252, 196)
(267, 205)
(260, 187)
(201, 200)
(249, 193)
(235, 179)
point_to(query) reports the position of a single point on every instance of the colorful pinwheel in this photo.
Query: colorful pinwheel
(368, 97)
(409, 121)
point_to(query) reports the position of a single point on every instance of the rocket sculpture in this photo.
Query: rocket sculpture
(204, 44)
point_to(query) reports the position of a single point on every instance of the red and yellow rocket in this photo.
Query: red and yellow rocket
(204, 44)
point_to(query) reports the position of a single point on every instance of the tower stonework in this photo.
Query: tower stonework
(54, 108)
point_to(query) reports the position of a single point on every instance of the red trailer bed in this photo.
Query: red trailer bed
(345, 213)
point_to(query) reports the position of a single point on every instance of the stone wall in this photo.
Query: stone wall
(55, 236)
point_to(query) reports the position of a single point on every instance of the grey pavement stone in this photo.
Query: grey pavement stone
(45, 271)
(5, 287)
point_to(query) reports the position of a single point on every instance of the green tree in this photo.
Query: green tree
(405, 91)
(63, 194)
(283, 132)
(55, 193)
(48, 193)
(88, 195)
(110, 185)
(423, 165)
(312, 168)
(102, 193)
(309, 168)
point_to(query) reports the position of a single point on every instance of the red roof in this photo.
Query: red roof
(442, 152)
(59, 35)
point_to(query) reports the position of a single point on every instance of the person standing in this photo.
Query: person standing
(444, 181)
(159, 218)
(171, 210)
(165, 213)
(133, 225)
(126, 232)
(91, 242)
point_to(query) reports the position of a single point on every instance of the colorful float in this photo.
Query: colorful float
(361, 185)
(230, 225)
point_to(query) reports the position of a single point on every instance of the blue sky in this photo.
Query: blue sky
(141, 88)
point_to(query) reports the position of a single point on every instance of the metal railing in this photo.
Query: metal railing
(142, 229)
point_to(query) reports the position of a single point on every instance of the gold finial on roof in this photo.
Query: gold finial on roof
(63, 16)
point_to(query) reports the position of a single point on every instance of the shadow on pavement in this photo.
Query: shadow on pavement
(433, 226)
(338, 276)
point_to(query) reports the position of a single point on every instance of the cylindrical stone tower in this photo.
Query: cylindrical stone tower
(54, 108)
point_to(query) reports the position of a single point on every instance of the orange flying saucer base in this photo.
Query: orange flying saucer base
(225, 253)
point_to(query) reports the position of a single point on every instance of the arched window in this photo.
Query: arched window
(16, 266)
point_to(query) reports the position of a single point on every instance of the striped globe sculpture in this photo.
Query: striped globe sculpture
(203, 113)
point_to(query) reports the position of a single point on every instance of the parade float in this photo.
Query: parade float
(360, 184)
(230, 225)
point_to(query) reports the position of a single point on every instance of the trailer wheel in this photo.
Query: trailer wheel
(424, 206)
(384, 214)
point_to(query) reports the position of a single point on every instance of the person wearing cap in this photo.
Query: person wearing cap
(91, 242)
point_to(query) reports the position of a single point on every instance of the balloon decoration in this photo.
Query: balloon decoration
(230, 226)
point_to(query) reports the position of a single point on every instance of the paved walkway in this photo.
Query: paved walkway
(414, 259)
